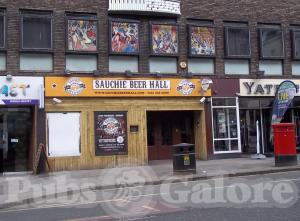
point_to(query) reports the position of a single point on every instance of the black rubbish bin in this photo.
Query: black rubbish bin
(184, 159)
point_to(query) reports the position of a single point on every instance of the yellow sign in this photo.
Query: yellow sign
(122, 87)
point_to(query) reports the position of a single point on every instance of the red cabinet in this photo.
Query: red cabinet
(284, 144)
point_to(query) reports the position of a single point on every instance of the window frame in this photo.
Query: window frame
(123, 55)
(110, 21)
(272, 60)
(226, 39)
(35, 52)
(190, 26)
(262, 56)
(199, 73)
(85, 17)
(3, 13)
(293, 34)
(159, 73)
(79, 53)
(36, 14)
(151, 23)
(237, 59)
(228, 138)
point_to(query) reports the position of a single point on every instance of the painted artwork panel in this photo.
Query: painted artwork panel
(124, 37)
(164, 39)
(82, 35)
(110, 133)
(202, 41)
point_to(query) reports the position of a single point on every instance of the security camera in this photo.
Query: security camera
(9, 77)
(202, 100)
(56, 100)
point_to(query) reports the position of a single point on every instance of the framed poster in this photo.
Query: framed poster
(164, 39)
(82, 35)
(110, 133)
(124, 37)
(202, 41)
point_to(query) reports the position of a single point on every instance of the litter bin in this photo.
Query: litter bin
(284, 144)
(184, 159)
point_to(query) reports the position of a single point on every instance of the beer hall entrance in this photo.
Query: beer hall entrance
(167, 128)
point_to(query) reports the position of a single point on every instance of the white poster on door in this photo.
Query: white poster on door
(221, 122)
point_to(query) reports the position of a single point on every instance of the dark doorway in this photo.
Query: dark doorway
(167, 128)
(15, 139)
(248, 130)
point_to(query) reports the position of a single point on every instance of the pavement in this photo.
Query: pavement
(26, 188)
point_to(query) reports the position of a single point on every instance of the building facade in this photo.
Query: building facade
(125, 80)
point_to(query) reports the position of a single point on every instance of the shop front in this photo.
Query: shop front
(236, 107)
(255, 103)
(109, 122)
(20, 108)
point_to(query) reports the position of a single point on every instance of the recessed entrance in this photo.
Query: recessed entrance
(166, 128)
(15, 139)
(262, 114)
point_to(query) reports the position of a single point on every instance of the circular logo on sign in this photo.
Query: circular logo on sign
(205, 84)
(74, 86)
(120, 139)
(110, 125)
(185, 87)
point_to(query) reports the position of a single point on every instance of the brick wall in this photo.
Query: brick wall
(253, 12)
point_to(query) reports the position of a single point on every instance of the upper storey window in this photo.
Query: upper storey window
(2, 40)
(164, 39)
(2, 29)
(237, 39)
(163, 43)
(36, 41)
(124, 46)
(202, 41)
(36, 30)
(296, 50)
(271, 50)
(82, 33)
(81, 42)
(202, 47)
(237, 48)
(124, 37)
(296, 43)
(271, 42)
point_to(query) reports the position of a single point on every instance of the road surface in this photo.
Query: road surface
(258, 198)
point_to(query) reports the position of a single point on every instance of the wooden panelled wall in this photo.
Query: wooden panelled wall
(136, 115)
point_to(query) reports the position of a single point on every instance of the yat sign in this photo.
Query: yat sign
(262, 87)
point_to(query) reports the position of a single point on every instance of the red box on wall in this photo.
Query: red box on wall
(284, 144)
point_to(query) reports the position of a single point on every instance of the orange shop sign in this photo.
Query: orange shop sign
(122, 87)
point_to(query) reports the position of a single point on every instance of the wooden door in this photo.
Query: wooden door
(166, 129)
